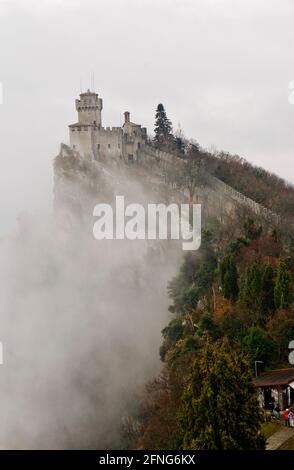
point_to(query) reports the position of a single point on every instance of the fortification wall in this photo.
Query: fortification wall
(218, 198)
(81, 139)
(107, 142)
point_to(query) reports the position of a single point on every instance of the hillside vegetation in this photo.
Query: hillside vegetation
(232, 304)
(254, 182)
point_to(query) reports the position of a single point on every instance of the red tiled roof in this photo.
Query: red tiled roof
(275, 377)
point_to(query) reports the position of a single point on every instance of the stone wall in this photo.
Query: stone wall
(217, 198)
(81, 139)
(108, 143)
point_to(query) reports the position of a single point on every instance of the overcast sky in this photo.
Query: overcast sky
(222, 68)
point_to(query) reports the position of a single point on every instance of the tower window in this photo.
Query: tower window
(119, 146)
(109, 146)
(98, 146)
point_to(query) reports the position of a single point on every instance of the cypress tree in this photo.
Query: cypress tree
(257, 292)
(229, 278)
(267, 286)
(220, 410)
(282, 290)
(251, 289)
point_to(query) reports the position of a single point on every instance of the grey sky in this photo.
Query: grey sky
(220, 67)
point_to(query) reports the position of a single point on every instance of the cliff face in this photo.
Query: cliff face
(77, 183)
(110, 299)
(120, 299)
(79, 180)
(156, 177)
(80, 318)
(104, 304)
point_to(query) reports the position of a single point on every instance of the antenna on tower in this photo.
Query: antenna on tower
(92, 82)
(81, 88)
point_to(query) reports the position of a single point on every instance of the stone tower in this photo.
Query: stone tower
(89, 108)
(90, 138)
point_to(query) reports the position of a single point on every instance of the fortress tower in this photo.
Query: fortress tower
(89, 108)
(89, 138)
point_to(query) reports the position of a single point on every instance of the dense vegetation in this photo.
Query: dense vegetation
(242, 297)
(254, 182)
(219, 412)
(231, 306)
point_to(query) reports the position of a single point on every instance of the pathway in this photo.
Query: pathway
(278, 438)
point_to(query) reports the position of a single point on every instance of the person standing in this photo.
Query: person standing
(291, 418)
(278, 411)
(286, 417)
(271, 406)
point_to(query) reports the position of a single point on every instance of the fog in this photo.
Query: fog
(80, 324)
(222, 68)
(80, 320)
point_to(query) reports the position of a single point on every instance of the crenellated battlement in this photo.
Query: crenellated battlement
(89, 137)
(89, 108)
(128, 142)
(216, 193)
(108, 130)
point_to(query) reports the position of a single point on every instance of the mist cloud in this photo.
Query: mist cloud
(80, 323)
(221, 68)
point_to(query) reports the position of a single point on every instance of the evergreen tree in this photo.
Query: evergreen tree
(251, 291)
(282, 291)
(267, 287)
(163, 128)
(259, 346)
(196, 275)
(192, 176)
(251, 230)
(229, 278)
(257, 292)
(180, 142)
(220, 410)
(207, 326)
(180, 146)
